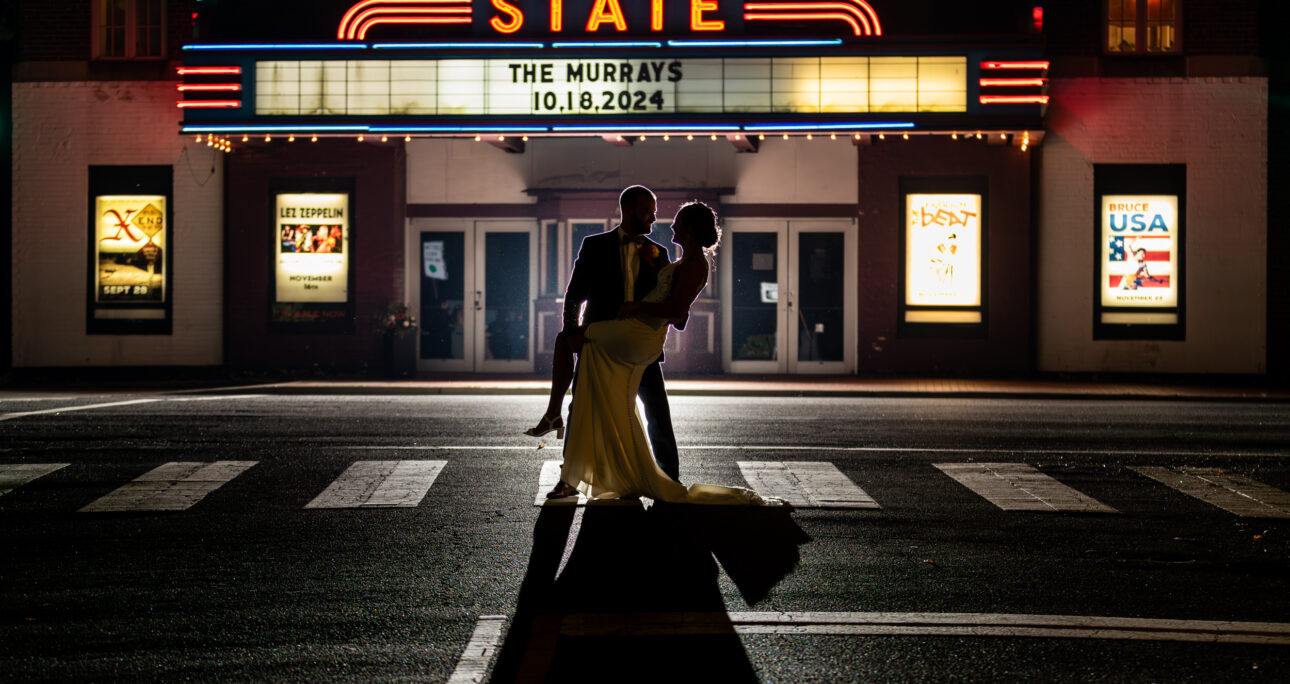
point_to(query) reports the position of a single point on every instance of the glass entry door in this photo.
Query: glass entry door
(789, 296)
(474, 287)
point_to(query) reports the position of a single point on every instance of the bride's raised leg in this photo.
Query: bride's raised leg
(561, 378)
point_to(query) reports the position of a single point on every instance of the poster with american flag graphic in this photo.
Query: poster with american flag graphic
(1139, 251)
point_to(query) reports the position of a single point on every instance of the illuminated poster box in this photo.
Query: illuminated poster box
(1139, 259)
(1140, 215)
(130, 245)
(311, 233)
(943, 257)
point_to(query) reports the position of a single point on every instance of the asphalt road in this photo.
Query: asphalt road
(249, 583)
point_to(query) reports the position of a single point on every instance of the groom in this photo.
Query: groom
(617, 266)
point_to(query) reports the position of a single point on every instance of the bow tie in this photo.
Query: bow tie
(634, 239)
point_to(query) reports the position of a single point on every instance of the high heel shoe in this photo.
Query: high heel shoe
(561, 491)
(546, 425)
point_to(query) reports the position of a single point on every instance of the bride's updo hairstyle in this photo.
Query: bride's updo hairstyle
(703, 224)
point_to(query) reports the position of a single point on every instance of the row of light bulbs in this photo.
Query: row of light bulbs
(224, 144)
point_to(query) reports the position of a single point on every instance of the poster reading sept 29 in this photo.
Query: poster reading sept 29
(130, 244)
(313, 247)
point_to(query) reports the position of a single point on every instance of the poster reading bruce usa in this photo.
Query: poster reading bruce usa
(312, 247)
(1139, 250)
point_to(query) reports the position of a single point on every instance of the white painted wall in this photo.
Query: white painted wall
(59, 131)
(783, 171)
(1218, 128)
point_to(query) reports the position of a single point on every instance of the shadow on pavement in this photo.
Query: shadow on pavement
(633, 577)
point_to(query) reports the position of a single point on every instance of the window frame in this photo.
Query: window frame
(1140, 32)
(131, 32)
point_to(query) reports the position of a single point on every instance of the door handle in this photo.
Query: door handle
(478, 297)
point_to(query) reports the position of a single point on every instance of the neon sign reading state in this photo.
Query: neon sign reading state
(602, 18)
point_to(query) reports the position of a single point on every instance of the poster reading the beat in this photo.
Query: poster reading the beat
(1139, 250)
(130, 244)
(943, 249)
(312, 247)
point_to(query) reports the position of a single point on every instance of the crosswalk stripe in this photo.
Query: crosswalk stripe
(1233, 493)
(15, 475)
(380, 484)
(472, 668)
(547, 480)
(1021, 487)
(174, 486)
(805, 484)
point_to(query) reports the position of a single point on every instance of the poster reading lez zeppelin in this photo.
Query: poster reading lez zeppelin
(313, 247)
(130, 246)
(1139, 250)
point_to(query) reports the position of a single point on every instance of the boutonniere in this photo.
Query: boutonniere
(648, 251)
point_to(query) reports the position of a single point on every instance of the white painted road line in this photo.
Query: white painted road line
(15, 475)
(805, 484)
(547, 480)
(1020, 487)
(380, 484)
(69, 409)
(920, 624)
(472, 668)
(1233, 493)
(174, 486)
(847, 449)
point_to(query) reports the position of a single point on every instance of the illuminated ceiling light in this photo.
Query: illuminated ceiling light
(478, 138)
(199, 138)
(642, 138)
(978, 135)
(313, 139)
(209, 142)
(385, 138)
(619, 138)
(786, 136)
(246, 138)
(857, 136)
(407, 138)
(738, 137)
(1024, 146)
(713, 136)
(882, 136)
(833, 136)
(761, 136)
(905, 136)
(666, 137)
(291, 138)
(501, 138)
(810, 137)
(525, 138)
(954, 136)
(689, 137)
(360, 138)
(268, 138)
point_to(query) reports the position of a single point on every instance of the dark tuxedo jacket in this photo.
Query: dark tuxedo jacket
(598, 279)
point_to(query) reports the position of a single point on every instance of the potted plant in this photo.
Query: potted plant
(398, 327)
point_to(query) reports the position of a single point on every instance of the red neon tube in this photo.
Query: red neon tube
(1014, 65)
(1013, 81)
(184, 104)
(1014, 99)
(855, 26)
(210, 87)
(185, 71)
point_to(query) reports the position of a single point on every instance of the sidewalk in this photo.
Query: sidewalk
(797, 385)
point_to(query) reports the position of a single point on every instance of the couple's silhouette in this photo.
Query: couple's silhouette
(633, 294)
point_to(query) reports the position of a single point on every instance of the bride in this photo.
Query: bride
(606, 453)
